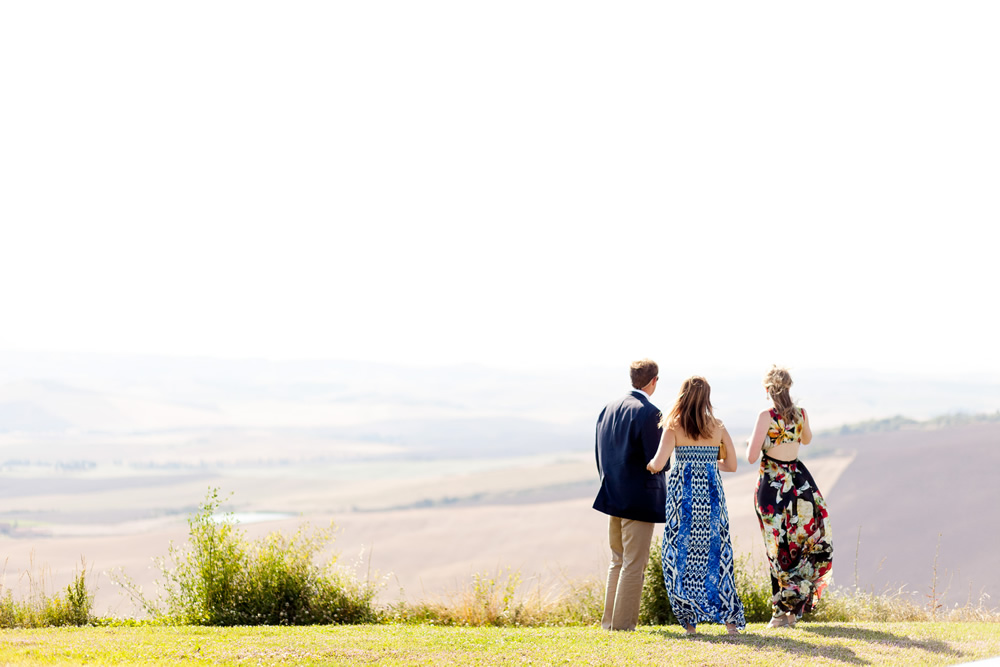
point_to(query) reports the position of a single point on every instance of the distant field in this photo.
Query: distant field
(427, 526)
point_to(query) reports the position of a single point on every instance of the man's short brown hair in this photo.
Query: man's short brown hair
(643, 372)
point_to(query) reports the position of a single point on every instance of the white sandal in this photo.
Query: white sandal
(778, 621)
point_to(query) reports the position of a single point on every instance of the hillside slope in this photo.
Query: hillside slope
(914, 493)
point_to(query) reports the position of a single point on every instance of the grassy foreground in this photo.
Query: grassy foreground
(813, 643)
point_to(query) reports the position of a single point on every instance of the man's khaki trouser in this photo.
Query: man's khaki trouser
(629, 555)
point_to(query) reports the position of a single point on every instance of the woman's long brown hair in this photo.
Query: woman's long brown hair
(693, 410)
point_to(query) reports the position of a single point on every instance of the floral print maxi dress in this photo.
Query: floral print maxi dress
(795, 524)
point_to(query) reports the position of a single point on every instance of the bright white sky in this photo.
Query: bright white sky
(510, 183)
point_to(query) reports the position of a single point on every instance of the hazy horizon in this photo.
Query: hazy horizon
(723, 185)
(80, 393)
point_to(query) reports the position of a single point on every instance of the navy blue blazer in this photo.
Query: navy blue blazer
(628, 434)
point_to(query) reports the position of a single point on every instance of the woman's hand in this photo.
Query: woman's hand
(651, 467)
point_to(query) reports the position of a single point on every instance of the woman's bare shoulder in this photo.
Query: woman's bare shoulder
(717, 430)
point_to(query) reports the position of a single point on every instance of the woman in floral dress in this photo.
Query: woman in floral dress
(792, 513)
(697, 551)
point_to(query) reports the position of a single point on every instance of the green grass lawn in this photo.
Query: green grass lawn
(809, 643)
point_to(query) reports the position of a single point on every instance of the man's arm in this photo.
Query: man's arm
(597, 444)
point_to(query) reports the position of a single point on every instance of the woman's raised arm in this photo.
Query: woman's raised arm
(729, 464)
(807, 433)
(663, 452)
(756, 441)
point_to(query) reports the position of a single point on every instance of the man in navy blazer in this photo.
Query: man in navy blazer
(628, 434)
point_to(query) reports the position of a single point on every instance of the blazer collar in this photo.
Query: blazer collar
(642, 394)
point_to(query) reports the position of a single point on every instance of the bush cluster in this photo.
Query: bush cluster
(222, 578)
(753, 585)
(500, 599)
(753, 588)
(654, 605)
(71, 607)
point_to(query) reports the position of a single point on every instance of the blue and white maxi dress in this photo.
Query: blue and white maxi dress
(697, 551)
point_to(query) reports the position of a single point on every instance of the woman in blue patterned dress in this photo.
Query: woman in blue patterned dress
(697, 551)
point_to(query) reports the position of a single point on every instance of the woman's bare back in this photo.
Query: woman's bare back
(685, 440)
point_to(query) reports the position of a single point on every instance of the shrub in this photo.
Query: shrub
(654, 605)
(72, 607)
(500, 599)
(856, 605)
(221, 578)
(582, 603)
(753, 588)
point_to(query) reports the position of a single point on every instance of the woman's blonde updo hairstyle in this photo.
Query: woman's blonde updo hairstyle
(777, 382)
